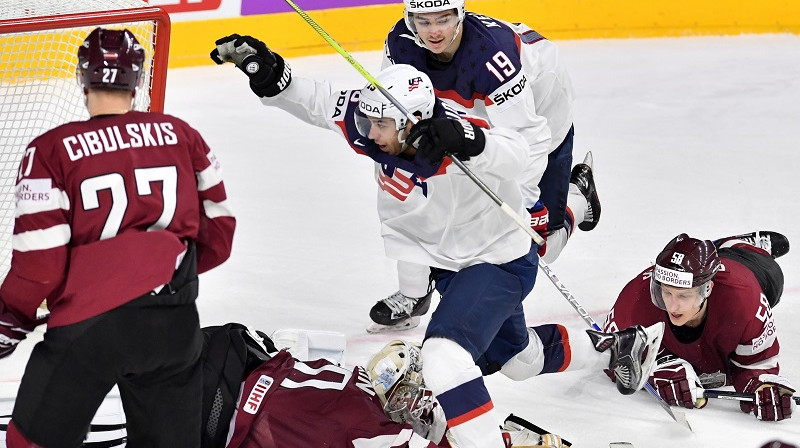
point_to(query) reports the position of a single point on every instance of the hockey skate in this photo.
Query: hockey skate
(773, 242)
(398, 312)
(583, 177)
(630, 363)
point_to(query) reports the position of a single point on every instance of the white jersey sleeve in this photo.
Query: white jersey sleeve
(310, 100)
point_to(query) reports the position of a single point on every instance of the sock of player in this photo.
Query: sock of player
(457, 383)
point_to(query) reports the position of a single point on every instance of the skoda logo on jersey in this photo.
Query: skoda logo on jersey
(430, 4)
(252, 67)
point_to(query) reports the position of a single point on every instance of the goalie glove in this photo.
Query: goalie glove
(677, 383)
(269, 74)
(773, 398)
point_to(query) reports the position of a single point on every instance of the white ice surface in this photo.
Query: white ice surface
(696, 135)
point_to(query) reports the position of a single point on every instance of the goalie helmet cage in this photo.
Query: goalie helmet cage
(39, 40)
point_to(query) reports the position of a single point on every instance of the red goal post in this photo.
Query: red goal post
(39, 40)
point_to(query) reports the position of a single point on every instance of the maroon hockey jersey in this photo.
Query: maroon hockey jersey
(739, 338)
(289, 403)
(104, 208)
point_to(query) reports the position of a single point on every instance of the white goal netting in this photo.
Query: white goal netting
(38, 87)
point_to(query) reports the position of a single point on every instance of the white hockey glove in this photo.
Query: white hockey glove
(773, 398)
(677, 383)
(519, 433)
(309, 345)
(269, 74)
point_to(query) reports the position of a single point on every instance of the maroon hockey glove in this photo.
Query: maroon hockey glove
(677, 383)
(12, 332)
(434, 137)
(268, 72)
(773, 398)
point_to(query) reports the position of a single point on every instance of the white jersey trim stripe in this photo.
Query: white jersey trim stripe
(30, 207)
(43, 239)
(387, 440)
(208, 178)
(769, 363)
(217, 209)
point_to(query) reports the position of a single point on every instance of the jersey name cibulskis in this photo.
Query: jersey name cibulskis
(112, 138)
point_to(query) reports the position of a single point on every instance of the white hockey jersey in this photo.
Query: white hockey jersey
(503, 72)
(430, 215)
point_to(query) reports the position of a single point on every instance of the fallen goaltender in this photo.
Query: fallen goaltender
(292, 389)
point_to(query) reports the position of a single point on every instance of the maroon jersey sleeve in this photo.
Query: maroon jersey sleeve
(739, 336)
(286, 403)
(104, 208)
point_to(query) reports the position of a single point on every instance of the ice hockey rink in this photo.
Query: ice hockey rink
(698, 135)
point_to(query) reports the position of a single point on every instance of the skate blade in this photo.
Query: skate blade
(411, 322)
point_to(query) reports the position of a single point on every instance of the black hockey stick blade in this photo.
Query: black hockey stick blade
(738, 396)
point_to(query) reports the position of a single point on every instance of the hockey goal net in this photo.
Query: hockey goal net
(39, 41)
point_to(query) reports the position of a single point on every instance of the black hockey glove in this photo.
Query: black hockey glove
(269, 74)
(434, 137)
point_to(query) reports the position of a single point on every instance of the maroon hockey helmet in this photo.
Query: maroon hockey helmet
(110, 59)
(685, 262)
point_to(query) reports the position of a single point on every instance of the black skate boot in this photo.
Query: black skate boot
(398, 312)
(773, 242)
(583, 178)
(628, 359)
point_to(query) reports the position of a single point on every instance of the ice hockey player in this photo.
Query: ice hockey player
(115, 217)
(483, 267)
(716, 299)
(511, 76)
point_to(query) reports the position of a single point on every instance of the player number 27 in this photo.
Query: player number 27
(501, 66)
(166, 175)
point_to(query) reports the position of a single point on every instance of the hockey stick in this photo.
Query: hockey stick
(507, 209)
(503, 206)
(738, 396)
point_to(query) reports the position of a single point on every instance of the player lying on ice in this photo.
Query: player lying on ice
(716, 298)
(432, 214)
(257, 396)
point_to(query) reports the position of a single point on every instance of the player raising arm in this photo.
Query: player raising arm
(432, 214)
(512, 77)
(115, 217)
(716, 299)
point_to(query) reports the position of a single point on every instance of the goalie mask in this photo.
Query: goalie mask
(396, 375)
(685, 262)
(425, 6)
(110, 59)
(409, 86)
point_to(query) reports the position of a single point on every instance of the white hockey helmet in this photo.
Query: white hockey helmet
(424, 6)
(412, 88)
(396, 376)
